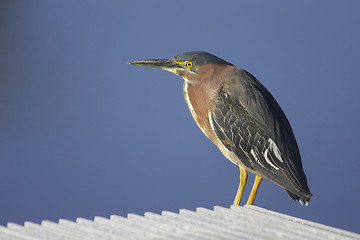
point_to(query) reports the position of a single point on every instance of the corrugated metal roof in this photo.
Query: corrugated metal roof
(249, 222)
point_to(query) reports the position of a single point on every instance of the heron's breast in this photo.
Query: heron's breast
(198, 100)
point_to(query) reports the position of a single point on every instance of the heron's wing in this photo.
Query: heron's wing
(249, 122)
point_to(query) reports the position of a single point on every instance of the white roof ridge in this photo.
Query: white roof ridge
(249, 222)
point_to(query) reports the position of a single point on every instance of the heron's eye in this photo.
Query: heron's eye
(189, 64)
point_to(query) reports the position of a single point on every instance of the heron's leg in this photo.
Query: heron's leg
(254, 190)
(243, 179)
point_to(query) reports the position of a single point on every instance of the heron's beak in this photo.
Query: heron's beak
(166, 64)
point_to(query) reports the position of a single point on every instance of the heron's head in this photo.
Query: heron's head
(193, 67)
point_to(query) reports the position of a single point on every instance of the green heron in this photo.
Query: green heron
(241, 117)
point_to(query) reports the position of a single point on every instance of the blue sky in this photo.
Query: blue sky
(84, 134)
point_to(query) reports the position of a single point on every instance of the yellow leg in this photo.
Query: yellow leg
(254, 190)
(243, 179)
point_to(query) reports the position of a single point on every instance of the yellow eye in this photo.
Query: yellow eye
(189, 64)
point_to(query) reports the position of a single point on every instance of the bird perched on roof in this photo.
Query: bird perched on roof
(237, 113)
